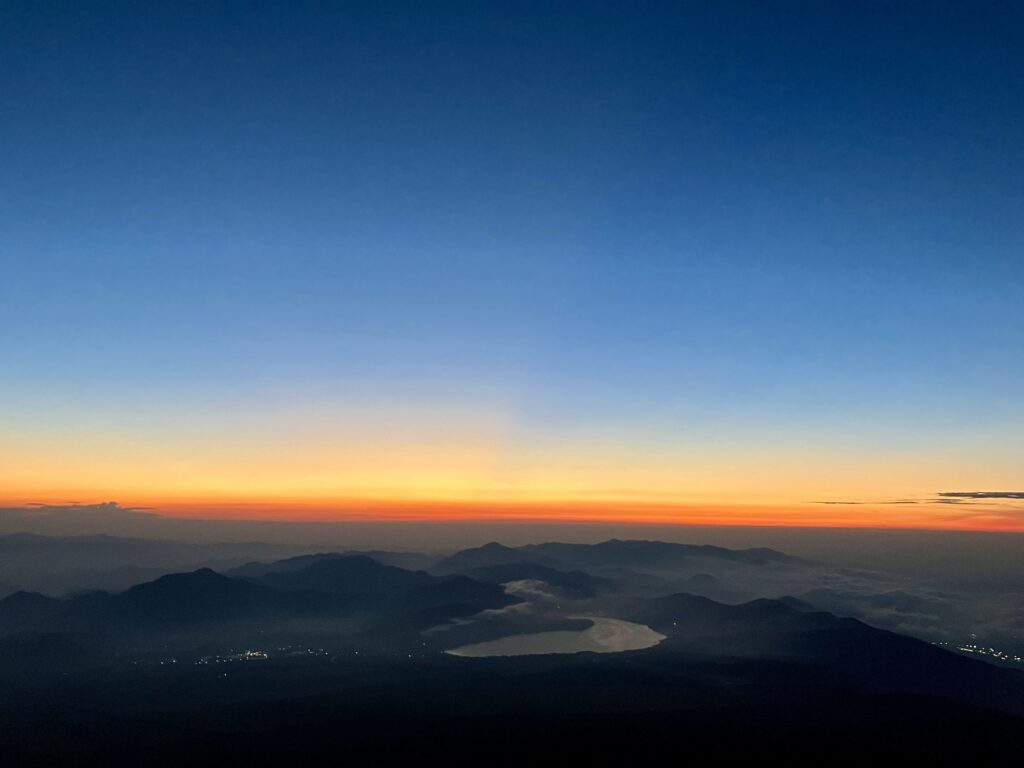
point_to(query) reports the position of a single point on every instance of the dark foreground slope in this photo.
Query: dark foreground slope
(629, 709)
(868, 657)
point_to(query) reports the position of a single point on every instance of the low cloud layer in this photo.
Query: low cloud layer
(944, 497)
(979, 495)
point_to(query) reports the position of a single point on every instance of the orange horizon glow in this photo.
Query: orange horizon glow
(919, 515)
(374, 463)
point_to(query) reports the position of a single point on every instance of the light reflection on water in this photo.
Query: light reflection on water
(603, 636)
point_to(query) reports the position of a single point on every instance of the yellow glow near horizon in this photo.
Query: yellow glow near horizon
(474, 461)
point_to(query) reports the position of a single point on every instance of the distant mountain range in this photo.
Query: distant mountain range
(321, 644)
(615, 553)
(65, 565)
(354, 601)
(368, 602)
(313, 597)
(60, 565)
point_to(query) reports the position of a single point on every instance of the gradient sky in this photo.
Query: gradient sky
(584, 260)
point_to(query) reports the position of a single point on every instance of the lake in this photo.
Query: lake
(603, 636)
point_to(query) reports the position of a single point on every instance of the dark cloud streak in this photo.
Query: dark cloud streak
(981, 495)
(868, 503)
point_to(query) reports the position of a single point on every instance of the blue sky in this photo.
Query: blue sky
(795, 219)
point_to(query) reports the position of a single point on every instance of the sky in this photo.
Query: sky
(721, 263)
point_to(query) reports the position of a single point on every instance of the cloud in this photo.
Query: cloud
(103, 510)
(74, 519)
(946, 497)
(959, 495)
(870, 503)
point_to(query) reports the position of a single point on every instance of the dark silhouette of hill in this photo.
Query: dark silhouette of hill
(185, 598)
(26, 610)
(621, 560)
(797, 603)
(255, 570)
(62, 564)
(616, 553)
(347, 575)
(875, 658)
(481, 557)
(619, 710)
(577, 584)
(362, 581)
(404, 560)
(180, 601)
(327, 589)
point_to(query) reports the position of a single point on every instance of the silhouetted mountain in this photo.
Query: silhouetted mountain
(796, 603)
(876, 658)
(326, 589)
(448, 597)
(405, 560)
(410, 561)
(480, 557)
(606, 556)
(255, 570)
(60, 565)
(347, 575)
(198, 597)
(361, 580)
(616, 553)
(170, 603)
(26, 610)
(577, 583)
